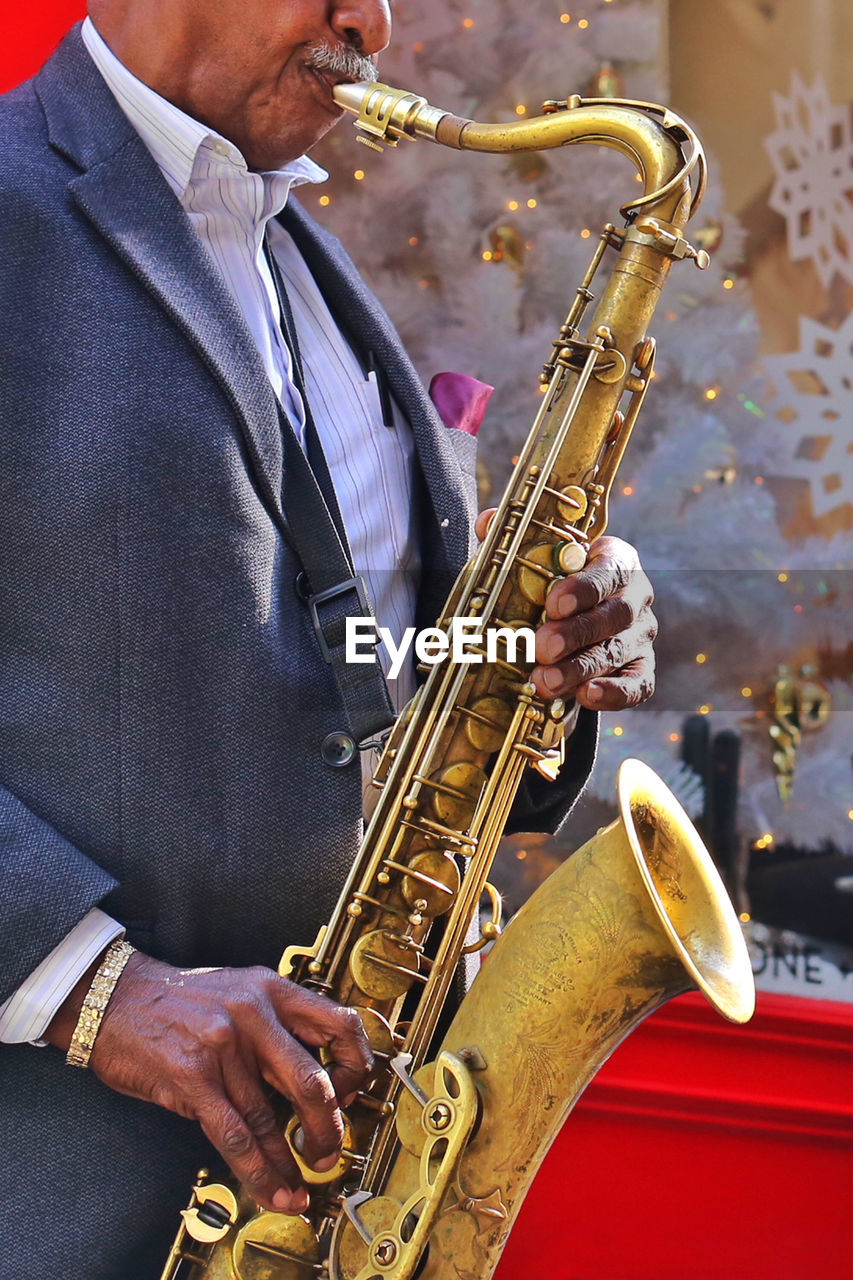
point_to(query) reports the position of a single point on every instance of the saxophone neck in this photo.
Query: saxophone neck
(662, 146)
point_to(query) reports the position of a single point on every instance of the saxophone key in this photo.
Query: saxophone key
(491, 930)
(457, 790)
(295, 1137)
(571, 556)
(433, 877)
(486, 722)
(212, 1213)
(290, 1244)
(384, 966)
(571, 501)
(537, 570)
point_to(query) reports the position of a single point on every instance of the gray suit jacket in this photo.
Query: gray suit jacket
(162, 695)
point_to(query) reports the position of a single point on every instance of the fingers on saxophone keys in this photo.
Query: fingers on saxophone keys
(613, 568)
(556, 640)
(349, 1050)
(323, 1024)
(588, 669)
(292, 1070)
(251, 1101)
(635, 683)
(231, 1134)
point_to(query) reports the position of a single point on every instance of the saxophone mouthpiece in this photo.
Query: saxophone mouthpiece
(386, 115)
(350, 95)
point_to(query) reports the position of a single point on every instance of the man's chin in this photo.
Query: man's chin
(268, 154)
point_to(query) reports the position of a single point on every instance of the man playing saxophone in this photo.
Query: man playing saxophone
(173, 768)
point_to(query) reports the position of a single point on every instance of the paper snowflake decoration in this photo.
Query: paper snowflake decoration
(812, 157)
(814, 402)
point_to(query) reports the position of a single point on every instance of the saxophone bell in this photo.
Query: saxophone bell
(636, 916)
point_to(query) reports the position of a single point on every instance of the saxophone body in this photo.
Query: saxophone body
(442, 1146)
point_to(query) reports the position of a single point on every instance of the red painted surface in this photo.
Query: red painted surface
(704, 1151)
(701, 1151)
(29, 34)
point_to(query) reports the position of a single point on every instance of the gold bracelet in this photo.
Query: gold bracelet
(95, 1002)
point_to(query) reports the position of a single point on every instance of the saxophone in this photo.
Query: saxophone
(443, 1144)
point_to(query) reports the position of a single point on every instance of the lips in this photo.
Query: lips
(324, 83)
(328, 79)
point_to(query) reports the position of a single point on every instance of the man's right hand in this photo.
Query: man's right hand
(212, 1045)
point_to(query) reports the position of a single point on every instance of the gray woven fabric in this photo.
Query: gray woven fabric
(162, 696)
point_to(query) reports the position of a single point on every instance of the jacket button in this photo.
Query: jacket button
(338, 750)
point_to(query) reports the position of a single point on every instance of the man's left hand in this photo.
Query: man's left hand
(596, 644)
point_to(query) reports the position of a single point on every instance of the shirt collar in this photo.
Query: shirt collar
(178, 142)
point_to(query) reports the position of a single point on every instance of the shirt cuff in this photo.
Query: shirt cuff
(28, 1012)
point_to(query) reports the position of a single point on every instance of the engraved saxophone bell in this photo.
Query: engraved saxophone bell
(636, 916)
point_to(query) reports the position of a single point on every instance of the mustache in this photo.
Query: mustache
(342, 60)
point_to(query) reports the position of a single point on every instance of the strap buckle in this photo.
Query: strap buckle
(356, 585)
(378, 742)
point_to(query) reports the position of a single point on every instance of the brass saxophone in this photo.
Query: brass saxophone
(442, 1146)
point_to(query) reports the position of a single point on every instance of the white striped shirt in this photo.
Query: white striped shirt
(371, 465)
(230, 209)
(27, 1012)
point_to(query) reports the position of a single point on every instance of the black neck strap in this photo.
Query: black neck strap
(334, 592)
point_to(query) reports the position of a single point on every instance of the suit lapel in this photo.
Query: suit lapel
(124, 195)
(369, 328)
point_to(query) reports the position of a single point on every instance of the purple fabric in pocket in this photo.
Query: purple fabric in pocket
(460, 400)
